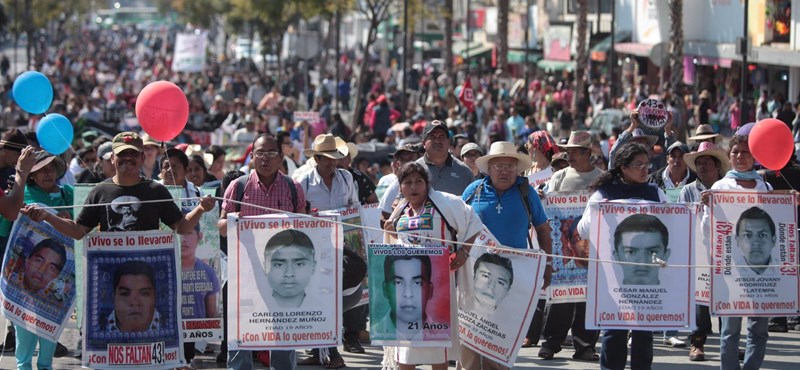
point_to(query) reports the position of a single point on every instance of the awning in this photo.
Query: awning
(634, 48)
(556, 65)
(475, 49)
(518, 57)
(598, 52)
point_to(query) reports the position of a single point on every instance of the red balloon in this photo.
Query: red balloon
(162, 110)
(771, 143)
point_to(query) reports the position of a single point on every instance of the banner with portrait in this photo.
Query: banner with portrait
(354, 238)
(133, 316)
(642, 279)
(80, 192)
(409, 296)
(371, 219)
(285, 282)
(38, 282)
(564, 211)
(702, 258)
(753, 238)
(497, 293)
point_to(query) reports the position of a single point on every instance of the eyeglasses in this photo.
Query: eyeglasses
(505, 167)
(639, 165)
(264, 155)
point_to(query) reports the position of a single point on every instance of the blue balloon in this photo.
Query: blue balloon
(55, 133)
(33, 92)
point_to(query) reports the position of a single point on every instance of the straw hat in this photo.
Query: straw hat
(651, 139)
(329, 146)
(352, 150)
(43, 159)
(578, 139)
(704, 132)
(503, 149)
(707, 148)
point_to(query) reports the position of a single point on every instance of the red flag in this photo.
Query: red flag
(467, 96)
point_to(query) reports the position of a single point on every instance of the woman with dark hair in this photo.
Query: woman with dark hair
(626, 180)
(541, 148)
(217, 167)
(426, 213)
(197, 172)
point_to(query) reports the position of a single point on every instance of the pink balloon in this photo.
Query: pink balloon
(771, 143)
(162, 110)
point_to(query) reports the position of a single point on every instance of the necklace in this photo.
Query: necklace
(499, 207)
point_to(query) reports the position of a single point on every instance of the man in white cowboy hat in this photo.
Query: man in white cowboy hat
(704, 133)
(710, 163)
(509, 206)
(635, 134)
(561, 317)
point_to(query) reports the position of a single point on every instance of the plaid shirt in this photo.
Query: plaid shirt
(276, 196)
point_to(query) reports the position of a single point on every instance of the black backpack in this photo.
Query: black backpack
(242, 180)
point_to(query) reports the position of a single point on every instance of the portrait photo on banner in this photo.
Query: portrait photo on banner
(38, 277)
(564, 211)
(135, 299)
(497, 294)
(753, 253)
(636, 285)
(287, 288)
(409, 295)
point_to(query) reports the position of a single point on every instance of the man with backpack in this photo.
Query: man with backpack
(508, 206)
(265, 186)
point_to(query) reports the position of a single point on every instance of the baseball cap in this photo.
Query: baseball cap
(433, 125)
(104, 150)
(127, 140)
(470, 147)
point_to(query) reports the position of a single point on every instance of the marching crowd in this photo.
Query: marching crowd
(453, 169)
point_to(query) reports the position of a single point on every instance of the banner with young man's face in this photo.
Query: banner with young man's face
(642, 277)
(38, 278)
(564, 211)
(753, 246)
(284, 281)
(133, 315)
(409, 295)
(497, 293)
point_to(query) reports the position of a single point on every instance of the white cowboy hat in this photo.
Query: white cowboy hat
(329, 146)
(704, 132)
(352, 150)
(503, 149)
(578, 139)
(708, 148)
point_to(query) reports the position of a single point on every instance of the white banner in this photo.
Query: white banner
(190, 52)
(284, 282)
(497, 293)
(702, 257)
(133, 316)
(38, 281)
(564, 211)
(629, 290)
(756, 231)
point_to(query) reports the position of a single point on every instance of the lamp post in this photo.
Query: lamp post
(743, 92)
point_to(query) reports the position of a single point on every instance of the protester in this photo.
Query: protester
(627, 179)
(469, 153)
(508, 206)
(422, 206)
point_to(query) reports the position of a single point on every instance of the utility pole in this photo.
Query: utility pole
(612, 55)
(405, 61)
(527, 46)
(338, 21)
(745, 74)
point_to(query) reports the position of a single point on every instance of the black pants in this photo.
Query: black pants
(354, 320)
(703, 318)
(223, 348)
(535, 330)
(559, 319)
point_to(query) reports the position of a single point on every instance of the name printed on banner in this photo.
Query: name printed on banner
(17, 311)
(108, 241)
(135, 354)
(283, 224)
(489, 328)
(200, 328)
(704, 294)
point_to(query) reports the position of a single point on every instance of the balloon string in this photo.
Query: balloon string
(785, 180)
(656, 262)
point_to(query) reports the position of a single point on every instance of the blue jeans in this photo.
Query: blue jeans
(757, 334)
(614, 350)
(278, 360)
(26, 346)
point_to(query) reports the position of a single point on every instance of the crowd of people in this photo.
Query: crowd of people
(489, 167)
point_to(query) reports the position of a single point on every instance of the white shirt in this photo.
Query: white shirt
(343, 192)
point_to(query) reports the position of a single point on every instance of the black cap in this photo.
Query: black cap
(432, 125)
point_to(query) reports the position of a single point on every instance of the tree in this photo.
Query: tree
(448, 41)
(502, 35)
(200, 13)
(376, 11)
(581, 59)
(676, 66)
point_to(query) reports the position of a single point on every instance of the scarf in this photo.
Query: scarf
(749, 175)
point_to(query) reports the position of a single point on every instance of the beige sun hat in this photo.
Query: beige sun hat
(707, 148)
(329, 146)
(578, 139)
(704, 132)
(503, 149)
(352, 150)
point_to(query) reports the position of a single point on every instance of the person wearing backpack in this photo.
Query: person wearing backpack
(265, 186)
(508, 206)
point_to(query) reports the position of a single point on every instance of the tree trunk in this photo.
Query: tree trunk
(502, 35)
(581, 59)
(676, 65)
(29, 29)
(448, 41)
(362, 82)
